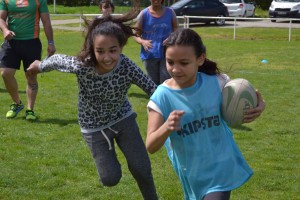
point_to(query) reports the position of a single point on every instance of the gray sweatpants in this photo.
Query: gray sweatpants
(126, 134)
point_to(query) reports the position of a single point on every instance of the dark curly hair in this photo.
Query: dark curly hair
(119, 26)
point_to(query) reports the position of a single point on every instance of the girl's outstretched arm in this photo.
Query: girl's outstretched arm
(159, 130)
(59, 62)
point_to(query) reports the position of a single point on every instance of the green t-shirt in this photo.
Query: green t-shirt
(24, 17)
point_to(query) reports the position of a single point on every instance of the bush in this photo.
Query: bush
(263, 4)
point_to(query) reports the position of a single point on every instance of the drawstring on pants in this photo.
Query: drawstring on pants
(116, 132)
(107, 139)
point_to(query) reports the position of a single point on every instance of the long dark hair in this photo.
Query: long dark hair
(188, 37)
(116, 26)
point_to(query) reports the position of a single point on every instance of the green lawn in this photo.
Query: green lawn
(48, 159)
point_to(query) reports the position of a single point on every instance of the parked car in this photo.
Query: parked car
(239, 8)
(211, 8)
(284, 9)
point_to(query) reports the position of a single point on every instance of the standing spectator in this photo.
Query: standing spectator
(157, 22)
(106, 7)
(22, 43)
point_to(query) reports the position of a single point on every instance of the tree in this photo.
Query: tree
(263, 4)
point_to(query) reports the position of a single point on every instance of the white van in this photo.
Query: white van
(284, 9)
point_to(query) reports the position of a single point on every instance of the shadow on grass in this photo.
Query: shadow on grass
(137, 95)
(241, 128)
(2, 90)
(60, 122)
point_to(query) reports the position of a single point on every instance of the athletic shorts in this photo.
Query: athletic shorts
(12, 52)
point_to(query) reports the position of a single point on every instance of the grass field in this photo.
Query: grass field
(48, 159)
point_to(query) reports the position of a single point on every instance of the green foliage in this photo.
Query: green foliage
(48, 159)
(263, 4)
(260, 13)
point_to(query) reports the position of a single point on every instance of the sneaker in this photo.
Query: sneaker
(14, 110)
(30, 115)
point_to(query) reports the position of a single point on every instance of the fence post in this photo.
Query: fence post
(290, 30)
(234, 29)
(186, 22)
(80, 18)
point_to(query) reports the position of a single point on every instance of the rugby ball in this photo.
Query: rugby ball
(238, 96)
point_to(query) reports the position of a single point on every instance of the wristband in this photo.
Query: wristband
(51, 42)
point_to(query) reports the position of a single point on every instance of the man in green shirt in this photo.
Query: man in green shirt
(20, 24)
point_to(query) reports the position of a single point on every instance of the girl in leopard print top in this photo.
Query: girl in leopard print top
(105, 115)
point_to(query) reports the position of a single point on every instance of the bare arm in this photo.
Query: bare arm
(7, 34)
(174, 25)
(159, 130)
(174, 22)
(45, 17)
(145, 43)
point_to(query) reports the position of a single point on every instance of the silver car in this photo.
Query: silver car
(239, 8)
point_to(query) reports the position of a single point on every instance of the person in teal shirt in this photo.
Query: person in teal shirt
(184, 115)
(20, 24)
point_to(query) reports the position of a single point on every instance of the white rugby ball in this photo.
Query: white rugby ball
(238, 96)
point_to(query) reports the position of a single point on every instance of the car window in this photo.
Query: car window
(195, 4)
(210, 3)
(178, 4)
(231, 1)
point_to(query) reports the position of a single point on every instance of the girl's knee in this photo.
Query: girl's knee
(110, 181)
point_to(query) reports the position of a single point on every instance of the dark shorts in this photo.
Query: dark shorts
(12, 52)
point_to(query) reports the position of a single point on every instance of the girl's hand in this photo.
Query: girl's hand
(147, 45)
(159, 129)
(253, 113)
(165, 41)
(173, 121)
(34, 68)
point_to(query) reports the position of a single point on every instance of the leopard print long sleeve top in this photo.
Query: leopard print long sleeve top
(102, 99)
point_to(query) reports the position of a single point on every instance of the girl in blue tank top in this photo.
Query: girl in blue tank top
(184, 115)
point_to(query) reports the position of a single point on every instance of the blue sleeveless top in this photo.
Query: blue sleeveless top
(157, 30)
(203, 153)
